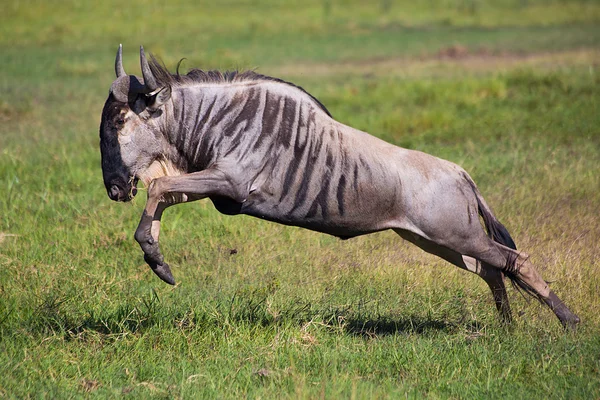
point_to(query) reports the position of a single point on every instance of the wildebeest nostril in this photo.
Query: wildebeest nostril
(114, 192)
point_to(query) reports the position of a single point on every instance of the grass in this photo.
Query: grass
(263, 310)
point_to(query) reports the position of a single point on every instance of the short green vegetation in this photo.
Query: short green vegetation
(508, 89)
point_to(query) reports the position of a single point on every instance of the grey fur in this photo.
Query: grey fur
(263, 147)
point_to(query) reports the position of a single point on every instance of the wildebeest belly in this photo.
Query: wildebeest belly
(225, 205)
(352, 223)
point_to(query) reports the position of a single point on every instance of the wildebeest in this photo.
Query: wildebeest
(264, 147)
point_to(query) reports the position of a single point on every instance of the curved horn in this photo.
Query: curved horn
(119, 70)
(149, 80)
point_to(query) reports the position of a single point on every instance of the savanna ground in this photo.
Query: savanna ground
(510, 90)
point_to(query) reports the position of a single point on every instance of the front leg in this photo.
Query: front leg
(146, 235)
(170, 190)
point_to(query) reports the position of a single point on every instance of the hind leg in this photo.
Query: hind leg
(495, 280)
(492, 276)
(517, 265)
(448, 220)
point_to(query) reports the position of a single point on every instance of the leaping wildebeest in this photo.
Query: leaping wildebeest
(260, 146)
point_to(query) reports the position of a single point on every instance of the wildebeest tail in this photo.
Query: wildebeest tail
(495, 229)
(498, 233)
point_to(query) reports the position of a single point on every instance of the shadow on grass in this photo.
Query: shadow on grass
(58, 316)
(127, 320)
(55, 317)
(385, 326)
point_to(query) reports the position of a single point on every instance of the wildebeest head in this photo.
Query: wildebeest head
(130, 138)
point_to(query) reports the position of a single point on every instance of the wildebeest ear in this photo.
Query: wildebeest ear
(158, 98)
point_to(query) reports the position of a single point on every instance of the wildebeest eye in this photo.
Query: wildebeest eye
(119, 121)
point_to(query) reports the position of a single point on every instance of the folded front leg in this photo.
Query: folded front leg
(170, 190)
(147, 236)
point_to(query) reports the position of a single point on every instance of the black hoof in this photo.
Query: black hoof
(571, 325)
(162, 270)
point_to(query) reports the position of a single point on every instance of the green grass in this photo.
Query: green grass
(292, 313)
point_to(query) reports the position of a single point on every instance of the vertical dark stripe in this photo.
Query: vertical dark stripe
(341, 189)
(304, 186)
(292, 169)
(268, 119)
(199, 116)
(289, 118)
(229, 107)
(329, 159)
(296, 156)
(247, 106)
(314, 142)
(321, 199)
(201, 144)
(243, 123)
(355, 178)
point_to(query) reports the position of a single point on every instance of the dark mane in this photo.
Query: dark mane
(165, 78)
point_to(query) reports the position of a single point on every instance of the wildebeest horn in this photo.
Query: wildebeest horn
(119, 70)
(149, 80)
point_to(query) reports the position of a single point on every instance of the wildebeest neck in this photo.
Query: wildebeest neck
(203, 120)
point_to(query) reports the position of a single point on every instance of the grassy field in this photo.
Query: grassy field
(508, 89)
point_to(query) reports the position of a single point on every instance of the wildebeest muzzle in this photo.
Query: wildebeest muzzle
(119, 189)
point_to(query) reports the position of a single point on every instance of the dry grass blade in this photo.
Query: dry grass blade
(5, 235)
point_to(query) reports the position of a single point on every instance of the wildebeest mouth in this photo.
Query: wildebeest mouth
(133, 182)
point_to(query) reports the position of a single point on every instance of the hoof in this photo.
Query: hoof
(162, 270)
(570, 325)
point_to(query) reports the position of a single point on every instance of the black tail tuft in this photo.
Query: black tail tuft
(511, 271)
(498, 233)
